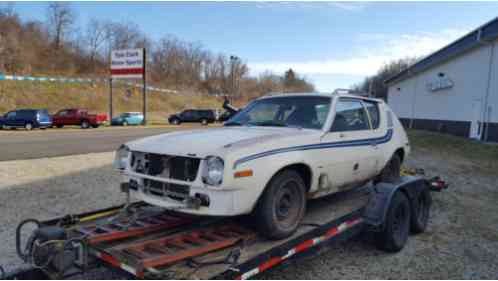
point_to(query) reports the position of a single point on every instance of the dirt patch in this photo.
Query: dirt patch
(460, 243)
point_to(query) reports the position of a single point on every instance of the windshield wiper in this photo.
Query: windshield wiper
(232, 123)
(268, 124)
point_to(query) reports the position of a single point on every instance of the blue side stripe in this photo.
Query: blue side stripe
(387, 137)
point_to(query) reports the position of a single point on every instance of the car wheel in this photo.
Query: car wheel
(420, 216)
(392, 171)
(175, 121)
(282, 205)
(125, 123)
(28, 126)
(85, 124)
(204, 122)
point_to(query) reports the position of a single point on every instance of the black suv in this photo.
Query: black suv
(204, 116)
(27, 118)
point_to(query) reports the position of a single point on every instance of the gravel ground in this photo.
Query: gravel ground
(460, 243)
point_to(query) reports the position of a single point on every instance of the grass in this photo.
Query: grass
(483, 154)
(56, 96)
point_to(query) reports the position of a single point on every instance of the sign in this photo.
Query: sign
(439, 84)
(127, 64)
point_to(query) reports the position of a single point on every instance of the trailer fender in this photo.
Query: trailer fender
(376, 209)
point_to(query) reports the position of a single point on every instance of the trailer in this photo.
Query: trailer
(145, 241)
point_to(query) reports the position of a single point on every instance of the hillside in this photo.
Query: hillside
(56, 96)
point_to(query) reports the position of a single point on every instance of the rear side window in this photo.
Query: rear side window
(373, 112)
(389, 119)
(26, 114)
(350, 116)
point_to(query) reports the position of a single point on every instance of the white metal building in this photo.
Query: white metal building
(453, 90)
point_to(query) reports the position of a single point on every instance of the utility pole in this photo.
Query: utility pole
(233, 60)
(370, 94)
(110, 99)
(144, 122)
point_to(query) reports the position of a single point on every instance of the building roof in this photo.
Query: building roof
(485, 33)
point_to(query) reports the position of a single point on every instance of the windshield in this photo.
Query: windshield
(300, 112)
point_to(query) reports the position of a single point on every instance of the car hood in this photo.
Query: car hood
(205, 142)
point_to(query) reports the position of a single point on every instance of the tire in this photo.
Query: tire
(60, 126)
(175, 122)
(282, 206)
(125, 123)
(85, 124)
(392, 171)
(204, 122)
(397, 224)
(28, 126)
(421, 212)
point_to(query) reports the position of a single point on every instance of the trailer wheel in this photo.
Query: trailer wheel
(420, 217)
(397, 225)
(282, 206)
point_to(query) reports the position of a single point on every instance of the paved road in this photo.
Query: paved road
(17, 145)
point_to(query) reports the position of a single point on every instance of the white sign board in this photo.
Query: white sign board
(439, 84)
(127, 63)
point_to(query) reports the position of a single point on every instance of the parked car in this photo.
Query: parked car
(203, 116)
(78, 117)
(27, 118)
(269, 159)
(128, 118)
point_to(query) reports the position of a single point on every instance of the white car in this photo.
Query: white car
(269, 158)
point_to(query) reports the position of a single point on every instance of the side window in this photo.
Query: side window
(373, 112)
(264, 112)
(11, 115)
(322, 111)
(350, 116)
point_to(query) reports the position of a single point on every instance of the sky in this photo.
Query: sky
(332, 44)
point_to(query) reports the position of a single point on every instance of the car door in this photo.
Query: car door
(379, 134)
(350, 153)
(20, 118)
(188, 116)
(10, 118)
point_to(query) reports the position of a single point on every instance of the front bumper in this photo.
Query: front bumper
(198, 198)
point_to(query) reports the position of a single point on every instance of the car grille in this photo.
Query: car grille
(165, 166)
(174, 191)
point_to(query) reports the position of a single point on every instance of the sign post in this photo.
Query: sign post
(130, 64)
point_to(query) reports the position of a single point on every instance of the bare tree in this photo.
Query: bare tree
(97, 34)
(60, 21)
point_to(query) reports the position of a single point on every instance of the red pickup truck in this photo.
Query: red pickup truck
(79, 117)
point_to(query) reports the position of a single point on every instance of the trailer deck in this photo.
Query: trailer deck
(159, 244)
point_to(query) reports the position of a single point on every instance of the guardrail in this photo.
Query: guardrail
(80, 80)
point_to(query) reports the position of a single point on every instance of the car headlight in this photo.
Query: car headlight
(214, 170)
(121, 157)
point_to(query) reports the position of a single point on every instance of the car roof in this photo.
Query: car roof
(317, 94)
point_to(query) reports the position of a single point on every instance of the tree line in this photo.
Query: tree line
(57, 46)
(374, 85)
